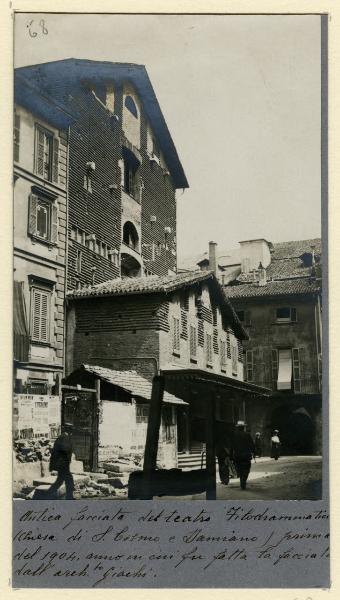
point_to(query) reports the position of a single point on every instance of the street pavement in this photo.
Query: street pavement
(289, 478)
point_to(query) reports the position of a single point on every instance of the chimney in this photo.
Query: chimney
(212, 257)
(262, 275)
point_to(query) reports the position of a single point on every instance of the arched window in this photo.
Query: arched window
(130, 235)
(131, 106)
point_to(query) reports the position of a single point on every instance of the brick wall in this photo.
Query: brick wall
(119, 333)
(97, 137)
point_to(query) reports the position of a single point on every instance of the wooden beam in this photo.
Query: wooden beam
(95, 425)
(77, 389)
(210, 447)
(152, 435)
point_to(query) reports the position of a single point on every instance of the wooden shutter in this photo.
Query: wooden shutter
(54, 224)
(55, 162)
(249, 365)
(16, 141)
(293, 315)
(40, 315)
(39, 151)
(176, 338)
(44, 317)
(234, 358)
(32, 214)
(296, 370)
(275, 367)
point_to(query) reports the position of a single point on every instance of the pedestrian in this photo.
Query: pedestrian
(60, 460)
(258, 444)
(222, 453)
(275, 445)
(243, 450)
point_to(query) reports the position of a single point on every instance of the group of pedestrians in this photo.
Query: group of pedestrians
(236, 458)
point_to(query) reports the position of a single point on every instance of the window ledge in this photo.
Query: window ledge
(38, 343)
(48, 243)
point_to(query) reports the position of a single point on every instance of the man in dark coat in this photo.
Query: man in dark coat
(243, 450)
(60, 460)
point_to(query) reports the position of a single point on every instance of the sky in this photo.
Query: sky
(241, 97)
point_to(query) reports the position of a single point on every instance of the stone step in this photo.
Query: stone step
(78, 478)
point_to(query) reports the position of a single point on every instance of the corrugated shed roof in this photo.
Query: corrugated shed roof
(131, 382)
(272, 288)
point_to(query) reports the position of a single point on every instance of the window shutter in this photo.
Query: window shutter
(44, 317)
(16, 143)
(293, 315)
(54, 224)
(249, 365)
(274, 368)
(32, 215)
(55, 166)
(39, 152)
(40, 315)
(296, 370)
(36, 315)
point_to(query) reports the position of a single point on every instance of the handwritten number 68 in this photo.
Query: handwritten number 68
(42, 26)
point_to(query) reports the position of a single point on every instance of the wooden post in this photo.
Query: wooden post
(95, 425)
(210, 448)
(152, 435)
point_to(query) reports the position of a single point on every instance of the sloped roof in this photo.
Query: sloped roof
(62, 78)
(272, 288)
(164, 285)
(130, 381)
(286, 260)
(141, 285)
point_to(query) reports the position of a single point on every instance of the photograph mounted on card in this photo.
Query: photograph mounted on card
(168, 286)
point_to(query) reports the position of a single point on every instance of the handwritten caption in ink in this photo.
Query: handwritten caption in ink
(101, 547)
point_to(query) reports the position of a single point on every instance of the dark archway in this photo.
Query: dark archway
(296, 429)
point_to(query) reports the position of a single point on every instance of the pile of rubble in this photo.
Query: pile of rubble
(32, 450)
(109, 482)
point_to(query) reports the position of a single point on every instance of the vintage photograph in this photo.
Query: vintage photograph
(169, 199)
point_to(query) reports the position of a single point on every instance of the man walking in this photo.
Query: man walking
(60, 461)
(243, 450)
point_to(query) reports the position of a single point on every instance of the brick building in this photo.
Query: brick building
(40, 218)
(276, 292)
(123, 170)
(157, 325)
